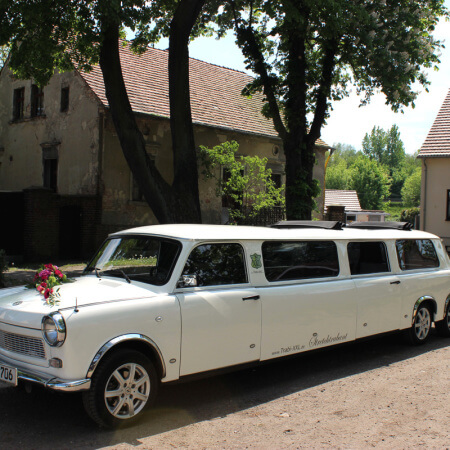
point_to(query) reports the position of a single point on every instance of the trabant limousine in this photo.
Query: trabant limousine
(159, 303)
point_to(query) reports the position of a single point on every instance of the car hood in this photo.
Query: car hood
(26, 307)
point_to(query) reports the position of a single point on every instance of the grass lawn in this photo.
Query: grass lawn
(394, 209)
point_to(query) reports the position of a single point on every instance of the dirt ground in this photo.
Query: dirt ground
(405, 404)
(379, 393)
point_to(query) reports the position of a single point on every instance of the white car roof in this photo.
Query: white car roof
(194, 232)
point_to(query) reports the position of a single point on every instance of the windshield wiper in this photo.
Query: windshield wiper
(92, 269)
(125, 276)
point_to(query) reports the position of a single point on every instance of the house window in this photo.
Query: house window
(37, 101)
(276, 178)
(64, 99)
(18, 102)
(50, 167)
(448, 204)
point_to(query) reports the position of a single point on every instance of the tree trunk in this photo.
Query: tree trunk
(179, 202)
(185, 181)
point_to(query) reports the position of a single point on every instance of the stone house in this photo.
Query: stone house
(63, 176)
(435, 193)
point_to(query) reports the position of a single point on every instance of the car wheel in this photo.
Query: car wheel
(443, 326)
(420, 331)
(123, 386)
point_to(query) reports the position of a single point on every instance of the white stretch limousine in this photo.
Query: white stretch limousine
(162, 302)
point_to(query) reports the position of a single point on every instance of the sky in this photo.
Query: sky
(348, 122)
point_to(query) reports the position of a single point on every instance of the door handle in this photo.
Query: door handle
(395, 282)
(253, 297)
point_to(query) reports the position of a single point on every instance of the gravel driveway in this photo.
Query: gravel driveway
(379, 393)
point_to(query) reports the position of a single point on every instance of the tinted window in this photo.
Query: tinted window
(367, 257)
(216, 264)
(416, 254)
(299, 260)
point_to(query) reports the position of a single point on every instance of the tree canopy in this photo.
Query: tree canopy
(304, 54)
(307, 54)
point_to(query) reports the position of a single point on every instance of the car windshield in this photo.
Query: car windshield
(141, 258)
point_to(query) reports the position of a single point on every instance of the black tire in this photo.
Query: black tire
(419, 333)
(114, 399)
(443, 326)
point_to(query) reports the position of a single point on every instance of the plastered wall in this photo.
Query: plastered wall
(435, 183)
(74, 133)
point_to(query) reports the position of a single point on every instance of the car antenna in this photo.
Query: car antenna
(76, 305)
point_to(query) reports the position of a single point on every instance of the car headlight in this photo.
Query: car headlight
(54, 329)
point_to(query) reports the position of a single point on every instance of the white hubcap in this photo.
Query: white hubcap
(127, 390)
(423, 323)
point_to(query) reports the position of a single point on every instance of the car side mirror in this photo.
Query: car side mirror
(187, 281)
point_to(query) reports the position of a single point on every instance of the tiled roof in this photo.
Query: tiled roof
(216, 98)
(437, 143)
(349, 199)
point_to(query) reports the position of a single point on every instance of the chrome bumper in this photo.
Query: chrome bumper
(52, 382)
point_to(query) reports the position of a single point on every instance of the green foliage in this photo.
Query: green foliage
(409, 215)
(244, 181)
(395, 210)
(411, 189)
(62, 35)
(338, 176)
(4, 52)
(349, 169)
(370, 181)
(387, 148)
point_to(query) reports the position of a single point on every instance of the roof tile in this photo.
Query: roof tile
(347, 198)
(437, 143)
(216, 98)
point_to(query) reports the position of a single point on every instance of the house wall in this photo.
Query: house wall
(74, 133)
(435, 183)
(119, 209)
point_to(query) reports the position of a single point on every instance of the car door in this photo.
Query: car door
(220, 311)
(306, 305)
(378, 290)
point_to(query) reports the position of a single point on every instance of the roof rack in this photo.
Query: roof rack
(381, 225)
(324, 224)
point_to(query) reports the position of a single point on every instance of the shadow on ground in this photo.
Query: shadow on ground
(42, 418)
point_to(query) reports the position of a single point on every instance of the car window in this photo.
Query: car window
(416, 254)
(217, 264)
(295, 260)
(141, 258)
(367, 257)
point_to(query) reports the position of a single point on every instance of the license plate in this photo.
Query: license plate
(8, 374)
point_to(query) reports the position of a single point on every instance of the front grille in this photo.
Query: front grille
(24, 345)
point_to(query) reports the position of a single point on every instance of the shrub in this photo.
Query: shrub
(409, 215)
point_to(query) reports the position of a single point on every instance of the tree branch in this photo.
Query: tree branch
(324, 90)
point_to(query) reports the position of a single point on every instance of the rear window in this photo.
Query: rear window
(217, 264)
(367, 257)
(296, 260)
(416, 254)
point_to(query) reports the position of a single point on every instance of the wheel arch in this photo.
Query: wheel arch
(422, 301)
(132, 341)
